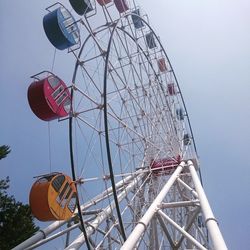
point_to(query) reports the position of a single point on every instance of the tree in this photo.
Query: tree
(16, 220)
(4, 150)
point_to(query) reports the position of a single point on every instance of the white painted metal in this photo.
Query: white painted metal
(165, 231)
(187, 235)
(41, 236)
(187, 187)
(133, 240)
(210, 221)
(138, 231)
(140, 113)
(77, 243)
(180, 204)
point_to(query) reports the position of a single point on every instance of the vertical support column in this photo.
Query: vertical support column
(210, 221)
(138, 231)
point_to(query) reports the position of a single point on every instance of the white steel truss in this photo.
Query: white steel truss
(155, 210)
(159, 223)
(125, 102)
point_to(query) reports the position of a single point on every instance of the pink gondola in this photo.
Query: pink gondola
(171, 89)
(166, 165)
(104, 2)
(121, 5)
(162, 64)
(49, 98)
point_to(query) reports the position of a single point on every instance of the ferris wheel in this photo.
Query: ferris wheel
(135, 181)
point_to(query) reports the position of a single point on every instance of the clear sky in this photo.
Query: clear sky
(208, 43)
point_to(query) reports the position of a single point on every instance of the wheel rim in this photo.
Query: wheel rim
(128, 118)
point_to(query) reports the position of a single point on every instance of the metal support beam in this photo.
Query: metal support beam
(41, 237)
(155, 233)
(79, 241)
(138, 231)
(180, 204)
(187, 187)
(165, 231)
(187, 235)
(188, 225)
(210, 221)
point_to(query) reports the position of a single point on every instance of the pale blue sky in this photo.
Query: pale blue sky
(208, 43)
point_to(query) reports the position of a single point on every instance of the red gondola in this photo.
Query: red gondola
(165, 165)
(49, 98)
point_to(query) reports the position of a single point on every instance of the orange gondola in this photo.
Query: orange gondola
(53, 197)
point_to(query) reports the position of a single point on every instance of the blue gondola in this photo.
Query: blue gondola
(186, 139)
(200, 221)
(180, 114)
(138, 23)
(61, 28)
(150, 40)
(81, 7)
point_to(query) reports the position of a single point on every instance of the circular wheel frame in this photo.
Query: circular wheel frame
(122, 105)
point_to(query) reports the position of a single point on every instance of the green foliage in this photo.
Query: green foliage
(16, 220)
(4, 185)
(4, 150)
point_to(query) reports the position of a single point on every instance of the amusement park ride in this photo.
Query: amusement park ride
(135, 177)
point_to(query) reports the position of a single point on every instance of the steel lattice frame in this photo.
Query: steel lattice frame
(123, 118)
